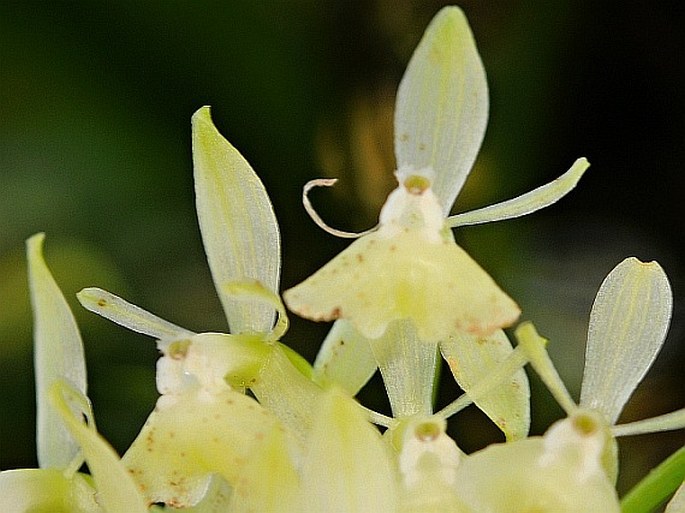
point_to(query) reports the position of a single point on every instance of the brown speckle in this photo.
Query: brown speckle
(102, 302)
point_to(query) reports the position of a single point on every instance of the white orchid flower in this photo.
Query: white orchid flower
(406, 288)
(64, 441)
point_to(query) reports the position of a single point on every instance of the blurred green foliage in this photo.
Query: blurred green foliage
(95, 106)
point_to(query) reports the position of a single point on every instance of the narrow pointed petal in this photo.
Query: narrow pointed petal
(58, 354)
(471, 360)
(128, 315)
(535, 348)
(347, 467)
(536, 199)
(442, 105)
(116, 490)
(237, 222)
(666, 422)
(408, 367)
(345, 359)
(628, 325)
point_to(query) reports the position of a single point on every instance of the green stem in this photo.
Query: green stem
(657, 486)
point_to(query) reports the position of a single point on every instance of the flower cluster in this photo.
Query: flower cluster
(244, 424)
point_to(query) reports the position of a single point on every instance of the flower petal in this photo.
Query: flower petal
(189, 438)
(58, 354)
(408, 367)
(665, 422)
(527, 476)
(33, 489)
(628, 326)
(527, 203)
(128, 315)
(535, 348)
(345, 359)
(237, 222)
(442, 105)
(347, 467)
(471, 360)
(377, 280)
(285, 391)
(116, 490)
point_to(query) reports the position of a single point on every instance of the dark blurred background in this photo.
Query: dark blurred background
(95, 106)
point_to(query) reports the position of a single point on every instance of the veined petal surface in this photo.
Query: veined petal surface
(345, 359)
(471, 359)
(442, 105)
(117, 492)
(58, 354)
(190, 437)
(377, 280)
(128, 315)
(347, 467)
(527, 203)
(628, 325)
(408, 367)
(238, 225)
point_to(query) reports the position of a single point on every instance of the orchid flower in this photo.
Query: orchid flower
(406, 288)
(64, 441)
(207, 441)
(628, 325)
(402, 296)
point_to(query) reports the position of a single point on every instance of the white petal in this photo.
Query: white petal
(442, 105)
(58, 354)
(519, 476)
(284, 390)
(128, 315)
(237, 222)
(408, 367)
(116, 490)
(535, 348)
(536, 199)
(34, 489)
(628, 326)
(345, 358)
(377, 280)
(188, 439)
(471, 360)
(666, 422)
(347, 467)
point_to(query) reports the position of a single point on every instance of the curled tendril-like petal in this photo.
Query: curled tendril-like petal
(326, 182)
